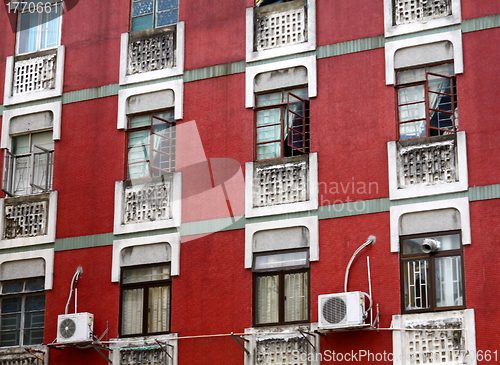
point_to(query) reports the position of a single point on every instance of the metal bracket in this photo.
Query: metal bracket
(304, 333)
(31, 352)
(239, 340)
(163, 347)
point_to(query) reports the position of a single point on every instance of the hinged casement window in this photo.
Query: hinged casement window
(281, 124)
(22, 312)
(151, 145)
(148, 14)
(269, 2)
(39, 25)
(28, 167)
(427, 102)
(281, 287)
(145, 300)
(432, 272)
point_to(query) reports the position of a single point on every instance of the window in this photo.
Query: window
(281, 287)
(145, 300)
(28, 167)
(39, 26)
(22, 313)
(427, 102)
(432, 272)
(151, 145)
(281, 124)
(269, 2)
(148, 14)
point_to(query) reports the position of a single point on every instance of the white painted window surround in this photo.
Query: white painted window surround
(310, 45)
(10, 99)
(50, 237)
(460, 204)
(312, 186)
(175, 207)
(391, 47)
(415, 191)
(251, 71)
(311, 223)
(139, 343)
(173, 239)
(406, 326)
(394, 30)
(55, 108)
(178, 69)
(46, 254)
(177, 86)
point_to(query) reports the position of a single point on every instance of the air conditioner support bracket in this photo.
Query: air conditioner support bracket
(304, 333)
(163, 347)
(32, 352)
(239, 340)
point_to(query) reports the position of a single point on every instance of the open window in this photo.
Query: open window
(432, 272)
(269, 2)
(427, 102)
(28, 166)
(151, 145)
(147, 14)
(22, 312)
(39, 25)
(145, 300)
(281, 124)
(281, 287)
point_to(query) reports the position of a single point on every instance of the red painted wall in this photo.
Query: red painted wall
(478, 8)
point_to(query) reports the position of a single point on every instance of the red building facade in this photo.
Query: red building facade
(271, 182)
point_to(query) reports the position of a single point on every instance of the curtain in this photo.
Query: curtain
(267, 299)
(296, 297)
(448, 281)
(132, 309)
(159, 309)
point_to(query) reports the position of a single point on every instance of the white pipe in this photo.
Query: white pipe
(369, 241)
(79, 270)
(369, 284)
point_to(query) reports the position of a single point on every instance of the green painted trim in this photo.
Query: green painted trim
(357, 45)
(214, 71)
(73, 243)
(449, 28)
(31, 103)
(477, 24)
(27, 248)
(89, 94)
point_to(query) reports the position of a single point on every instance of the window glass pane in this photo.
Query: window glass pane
(445, 242)
(167, 115)
(51, 29)
(34, 319)
(268, 117)
(28, 36)
(447, 69)
(141, 23)
(138, 170)
(412, 112)
(143, 7)
(301, 93)
(139, 121)
(159, 309)
(44, 140)
(416, 285)
(281, 260)
(408, 76)
(11, 305)
(35, 303)
(267, 299)
(167, 18)
(9, 338)
(146, 274)
(13, 287)
(412, 130)
(168, 5)
(269, 150)
(270, 99)
(411, 94)
(296, 297)
(33, 336)
(132, 311)
(21, 144)
(448, 281)
(268, 134)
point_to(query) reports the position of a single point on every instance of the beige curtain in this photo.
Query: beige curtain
(296, 297)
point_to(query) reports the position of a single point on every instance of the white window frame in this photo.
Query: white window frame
(39, 33)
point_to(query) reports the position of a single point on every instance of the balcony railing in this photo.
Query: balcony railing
(427, 161)
(26, 216)
(20, 356)
(281, 181)
(144, 357)
(410, 11)
(27, 174)
(149, 201)
(34, 74)
(293, 350)
(151, 49)
(280, 25)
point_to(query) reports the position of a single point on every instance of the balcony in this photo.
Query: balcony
(282, 186)
(427, 166)
(280, 29)
(410, 11)
(141, 350)
(147, 204)
(152, 54)
(20, 355)
(34, 76)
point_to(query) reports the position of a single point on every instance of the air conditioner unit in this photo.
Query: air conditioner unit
(342, 310)
(76, 327)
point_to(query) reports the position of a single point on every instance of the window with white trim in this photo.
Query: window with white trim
(151, 145)
(281, 124)
(427, 101)
(39, 25)
(432, 268)
(28, 166)
(147, 14)
(22, 312)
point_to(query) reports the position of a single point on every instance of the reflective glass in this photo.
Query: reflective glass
(416, 284)
(35, 302)
(281, 260)
(28, 36)
(33, 336)
(143, 7)
(449, 281)
(167, 18)
(11, 305)
(13, 287)
(167, 5)
(51, 27)
(268, 116)
(145, 274)
(143, 22)
(139, 121)
(270, 99)
(269, 150)
(412, 130)
(445, 242)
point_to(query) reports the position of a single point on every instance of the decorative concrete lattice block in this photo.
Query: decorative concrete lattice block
(410, 11)
(282, 351)
(25, 219)
(34, 74)
(144, 356)
(281, 29)
(151, 53)
(147, 202)
(282, 183)
(427, 164)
